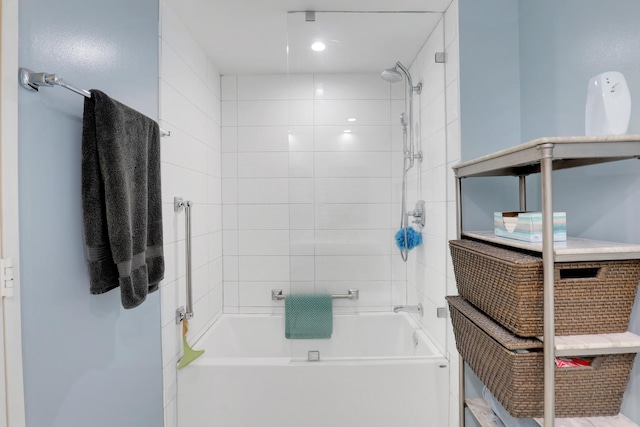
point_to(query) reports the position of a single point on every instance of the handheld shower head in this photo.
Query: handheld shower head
(403, 120)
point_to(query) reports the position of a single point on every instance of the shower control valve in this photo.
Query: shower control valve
(418, 213)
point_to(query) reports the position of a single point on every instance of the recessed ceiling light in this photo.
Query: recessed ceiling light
(347, 131)
(351, 119)
(318, 46)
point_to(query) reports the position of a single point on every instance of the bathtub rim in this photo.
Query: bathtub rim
(435, 352)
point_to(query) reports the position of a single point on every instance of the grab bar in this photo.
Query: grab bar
(277, 294)
(178, 206)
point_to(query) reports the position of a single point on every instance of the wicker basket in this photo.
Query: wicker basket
(590, 297)
(516, 379)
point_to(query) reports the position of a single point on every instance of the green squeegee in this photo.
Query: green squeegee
(189, 354)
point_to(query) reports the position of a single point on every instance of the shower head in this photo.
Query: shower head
(391, 75)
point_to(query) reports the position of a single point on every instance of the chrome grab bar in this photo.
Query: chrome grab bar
(277, 294)
(178, 206)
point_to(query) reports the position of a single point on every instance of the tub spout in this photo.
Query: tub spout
(409, 309)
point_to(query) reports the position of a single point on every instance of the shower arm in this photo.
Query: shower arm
(418, 87)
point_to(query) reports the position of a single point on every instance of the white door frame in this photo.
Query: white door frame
(9, 240)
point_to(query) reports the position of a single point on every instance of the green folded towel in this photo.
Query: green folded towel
(308, 316)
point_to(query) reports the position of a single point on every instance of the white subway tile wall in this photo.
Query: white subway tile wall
(191, 167)
(312, 200)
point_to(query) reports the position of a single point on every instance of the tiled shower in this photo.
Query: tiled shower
(290, 194)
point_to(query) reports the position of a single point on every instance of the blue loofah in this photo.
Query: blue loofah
(414, 238)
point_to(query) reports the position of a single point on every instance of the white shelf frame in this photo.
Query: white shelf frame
(543, 156)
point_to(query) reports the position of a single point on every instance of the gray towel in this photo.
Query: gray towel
(121, 200)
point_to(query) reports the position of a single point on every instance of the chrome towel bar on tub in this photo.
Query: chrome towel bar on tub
(277, 294)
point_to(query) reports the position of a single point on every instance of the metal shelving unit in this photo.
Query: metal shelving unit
(543, 156)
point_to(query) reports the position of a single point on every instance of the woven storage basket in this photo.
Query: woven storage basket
(590, 297)
(516, 379)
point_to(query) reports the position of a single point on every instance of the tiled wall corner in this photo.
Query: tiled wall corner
(427, 266)
(452, 82)
(190, 108)
(430, 273)
(230, 209)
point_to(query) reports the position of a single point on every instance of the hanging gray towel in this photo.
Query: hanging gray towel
(121, 200)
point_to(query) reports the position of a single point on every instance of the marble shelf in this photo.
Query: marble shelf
(481, 411)
(590, 345)
(568, 152)
(573, 250)
(615, 421)
(483, 415)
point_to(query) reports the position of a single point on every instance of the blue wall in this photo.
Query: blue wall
(565, 43)
(562, 44)
(489, 101)
(489, 76)
(87, 361)
(489, 113)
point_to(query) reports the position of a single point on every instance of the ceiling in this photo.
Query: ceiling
(250, 36)
(356, 42)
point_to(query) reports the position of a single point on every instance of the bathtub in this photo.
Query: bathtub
(377, 369)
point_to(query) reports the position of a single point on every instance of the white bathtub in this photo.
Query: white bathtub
(378, 369)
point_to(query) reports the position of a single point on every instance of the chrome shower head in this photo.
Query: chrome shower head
(403, 120)
(391, 75)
